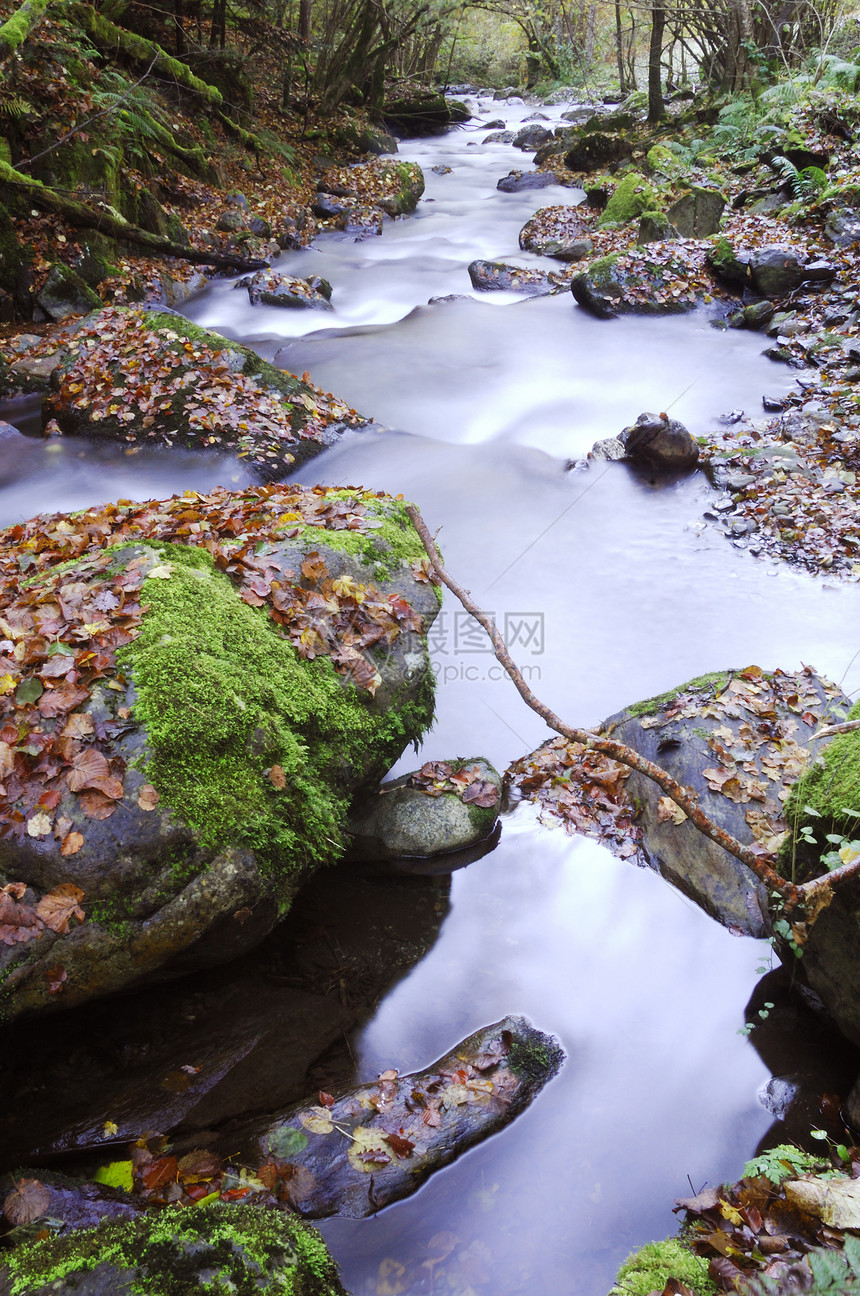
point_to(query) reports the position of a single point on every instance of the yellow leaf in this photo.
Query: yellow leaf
(730, 1213)
(7, 684)
(163, 572)
(318, 1121)
(40, 825)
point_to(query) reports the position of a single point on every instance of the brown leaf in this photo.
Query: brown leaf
(28, 1201)
(60, 905)
(78, 725)
(55, 976)
(277, 777)
(88, 768)
(96, 805)
(402, 1146)
(147, 797)
(72, 843)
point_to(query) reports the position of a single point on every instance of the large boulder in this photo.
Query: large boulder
(443, 807)
(531, 137)
(66, 293)
(148, 378)
(191, 691)
(210, 1248)
(289, 291)
(631, 283)
(518, 181)
(697, 213)
(394, 187)
(592, 150)
(633, 196)
(661, 443)
(560, 232)
(425, 114)
(770, 271)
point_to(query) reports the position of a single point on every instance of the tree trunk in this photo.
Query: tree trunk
(305, 21)
(656, 107)
(619, 47)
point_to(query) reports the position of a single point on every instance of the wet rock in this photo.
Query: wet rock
(374, 1144)
(594, 150)
(496, 124)
(678, 732)
(326, 206)
(518, 181)
(661, 443)
(66, 1202)
(296, 229)
(531, 137)
(609, 450)
(402, 819)
(259, 227)
(441, 170)
(363, 222)
(536, 117)
(775, 271)
(232, 755)
(275, 289)
(632, 284)
(211, 393)
(560, 232)
(65, 293)
(242, 1248)
(697, 213)
(494, 276)
(499, 137)
(655, 227)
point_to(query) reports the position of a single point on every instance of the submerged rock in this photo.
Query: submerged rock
(210, 1248)
(221, 674)
(151, 378)
(519, 181)
(443, 807)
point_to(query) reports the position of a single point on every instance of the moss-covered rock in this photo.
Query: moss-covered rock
(395, 187)
(560, 232)
(634, 195)
(593, 150)
(630, 283)
(176, 1252)
(244, 691)
(66, 293)
(147, 378)
(426, 114)
(664, 162)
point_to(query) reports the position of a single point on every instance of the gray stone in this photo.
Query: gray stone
(489, 276)
(843, 227)
(697, 213)
(499, 137)
(660, 442)
(593, 150)
(655, 227)
(289, 291)
(400, 819)
(531, 137)
(231, 222)
(775, 271)
(518, 181)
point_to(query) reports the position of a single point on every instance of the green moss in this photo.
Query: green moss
(831, 786)
(394, 541)
(243, 1248)
(651, 1267)
(633, 196)
(650, 706)
(15, 30)
(224, 698)
(664, 161)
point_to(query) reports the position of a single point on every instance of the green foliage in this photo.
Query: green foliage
(651, 1267)
(834, 1273)
(807, 184)
(783, 1162)
(824, 804)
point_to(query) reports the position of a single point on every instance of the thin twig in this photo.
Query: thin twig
(684, 797)
(848, 726)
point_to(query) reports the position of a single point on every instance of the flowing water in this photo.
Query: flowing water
(609, 589)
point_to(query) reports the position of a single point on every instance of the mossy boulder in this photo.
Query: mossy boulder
(633, 196)
(178, 1252)
(150, 378)
(631, 283)
(223, 673)
(445, 807)
(665, 163)
(66, 293)
(827, 801)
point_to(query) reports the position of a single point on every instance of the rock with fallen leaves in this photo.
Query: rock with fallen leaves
(274, 289)
(375, 1144)
(499, 276)
(660, 279)
(246, 1247)
(190, 692)
(560, 232)
(738, 739)
(393, 187)
(445, 806)
(154, 379)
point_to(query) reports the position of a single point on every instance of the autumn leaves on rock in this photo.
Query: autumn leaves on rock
(118, 626)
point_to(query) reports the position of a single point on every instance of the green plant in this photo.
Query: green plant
(833, 1273)
(762, 1014)
(782, 1162)
(839, 1149)
(807, 184)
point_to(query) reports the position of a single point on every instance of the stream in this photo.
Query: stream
(610, 588)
